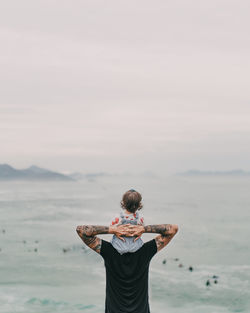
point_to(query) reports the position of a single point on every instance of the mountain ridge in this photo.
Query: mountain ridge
(195, 172)
(33, 172)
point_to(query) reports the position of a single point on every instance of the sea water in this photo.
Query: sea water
(45, 267)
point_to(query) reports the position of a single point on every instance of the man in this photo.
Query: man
(127, 274)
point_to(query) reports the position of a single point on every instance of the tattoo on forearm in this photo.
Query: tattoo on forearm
(93, 230)
(163, 229)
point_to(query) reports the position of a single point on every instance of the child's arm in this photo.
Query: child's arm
(141, 219)
(115, 221)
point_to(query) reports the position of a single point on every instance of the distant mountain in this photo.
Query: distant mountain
(237, 172)
(76, 176)
(36, 169)
(33, 172)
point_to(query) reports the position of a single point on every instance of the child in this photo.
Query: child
(131, 204)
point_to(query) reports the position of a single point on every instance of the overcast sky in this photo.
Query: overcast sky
(125, 85)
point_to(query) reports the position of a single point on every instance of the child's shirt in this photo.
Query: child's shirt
(129, 245)
(128, 218)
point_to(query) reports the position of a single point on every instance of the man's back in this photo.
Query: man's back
(127, 274)
(127, 278)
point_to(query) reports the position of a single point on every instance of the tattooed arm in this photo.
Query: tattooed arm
(88, 234)
(166, 231)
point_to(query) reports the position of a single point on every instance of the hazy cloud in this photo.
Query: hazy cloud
(142, 85)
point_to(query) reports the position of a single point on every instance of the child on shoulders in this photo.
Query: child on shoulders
(131, 204)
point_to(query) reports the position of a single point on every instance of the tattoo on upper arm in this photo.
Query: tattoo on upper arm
(167, 232)
(93, 242)
(87, 234)
(162, 241)
(159, 242)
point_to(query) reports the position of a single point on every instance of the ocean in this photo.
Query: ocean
(46, 268)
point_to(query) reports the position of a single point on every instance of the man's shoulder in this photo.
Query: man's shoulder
(151, 244)
(149, 248)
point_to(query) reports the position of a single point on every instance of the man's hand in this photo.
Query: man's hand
(127, 230)
(136, 231)
(121, 231)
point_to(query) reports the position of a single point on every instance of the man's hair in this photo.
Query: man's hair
(131, 201)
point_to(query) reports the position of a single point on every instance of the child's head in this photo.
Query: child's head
(131, 201)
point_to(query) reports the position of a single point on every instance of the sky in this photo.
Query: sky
(117, 86)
